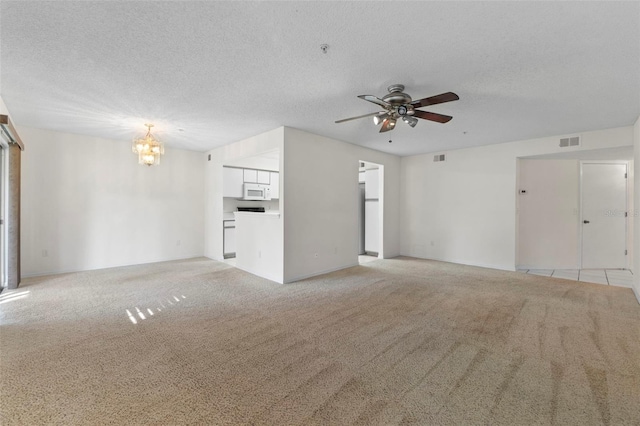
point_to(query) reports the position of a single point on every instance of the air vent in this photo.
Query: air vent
(573, 141)
(439, 157)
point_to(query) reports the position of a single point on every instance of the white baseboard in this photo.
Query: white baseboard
(636, 292)
(277, 280)
(315, 274)
(465, 262)
(71, 271)
(573, 267)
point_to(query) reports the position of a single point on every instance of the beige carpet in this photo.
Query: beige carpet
(399, 341)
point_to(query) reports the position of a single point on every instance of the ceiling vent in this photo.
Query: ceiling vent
(573, 141)
(439, 157)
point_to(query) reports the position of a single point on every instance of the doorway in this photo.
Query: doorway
(370, 211)
(603, 215)
(3, 251)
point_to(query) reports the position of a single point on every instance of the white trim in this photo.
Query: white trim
(71, 271)
(465, 262)
(4, 249)
(315, 274)
(636, 292)
(536, 267)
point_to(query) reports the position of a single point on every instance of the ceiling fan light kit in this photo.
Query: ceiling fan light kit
(399, 105)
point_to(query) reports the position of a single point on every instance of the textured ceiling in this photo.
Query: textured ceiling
(225, 71)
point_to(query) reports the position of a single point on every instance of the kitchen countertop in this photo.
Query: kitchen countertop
(275, 213)
(232, 215)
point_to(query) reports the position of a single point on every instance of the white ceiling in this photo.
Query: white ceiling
(225, 71)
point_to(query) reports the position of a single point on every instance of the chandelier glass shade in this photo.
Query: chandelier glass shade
(148, 148)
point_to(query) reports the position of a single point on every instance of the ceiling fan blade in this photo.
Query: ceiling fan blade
(388, 124)
(432, 116)
(360, 116)
(376, 101)
(437, 99)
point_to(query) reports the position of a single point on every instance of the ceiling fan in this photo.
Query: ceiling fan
(399, 105)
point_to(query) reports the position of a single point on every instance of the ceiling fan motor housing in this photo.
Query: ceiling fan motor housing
(396, 96)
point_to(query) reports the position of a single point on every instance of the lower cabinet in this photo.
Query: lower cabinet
(229, 238)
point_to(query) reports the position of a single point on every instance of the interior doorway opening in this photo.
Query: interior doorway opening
(3, 239)
(574, 212)
(370, 211)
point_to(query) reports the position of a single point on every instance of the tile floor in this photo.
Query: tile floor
(617, 277)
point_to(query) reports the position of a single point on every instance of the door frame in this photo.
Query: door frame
(381, 203)
(626, 206)
(4, 177)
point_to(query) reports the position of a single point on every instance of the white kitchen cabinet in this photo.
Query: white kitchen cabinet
(264, 177)
(275, 185)
(250, 176)
(232, 180)
(372, 184)
(371, 227)
(361, 177)
(229, 249)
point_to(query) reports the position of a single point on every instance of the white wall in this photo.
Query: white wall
(214, 206)
(549, 216)
(636, 213)
(3, 108)
(463, 210)
(88, 204)
(321, 203)
(259, 245)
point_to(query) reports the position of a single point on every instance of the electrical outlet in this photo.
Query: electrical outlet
(259, 254)
(335, 250)
(45, 253)
(433, 243)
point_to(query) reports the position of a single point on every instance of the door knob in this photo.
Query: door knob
(585, 221)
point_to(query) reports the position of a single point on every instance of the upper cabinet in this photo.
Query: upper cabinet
(275, 185)
(372, 184)
(264, 177)
(250, 176)
(232, 180)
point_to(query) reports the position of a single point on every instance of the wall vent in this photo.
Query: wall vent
(439, 157)
(572, 141)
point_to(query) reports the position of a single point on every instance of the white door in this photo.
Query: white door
(604, 203)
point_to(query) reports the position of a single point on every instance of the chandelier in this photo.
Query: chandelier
(148, 148)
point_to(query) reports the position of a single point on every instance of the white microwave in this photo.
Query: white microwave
(255, 191)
